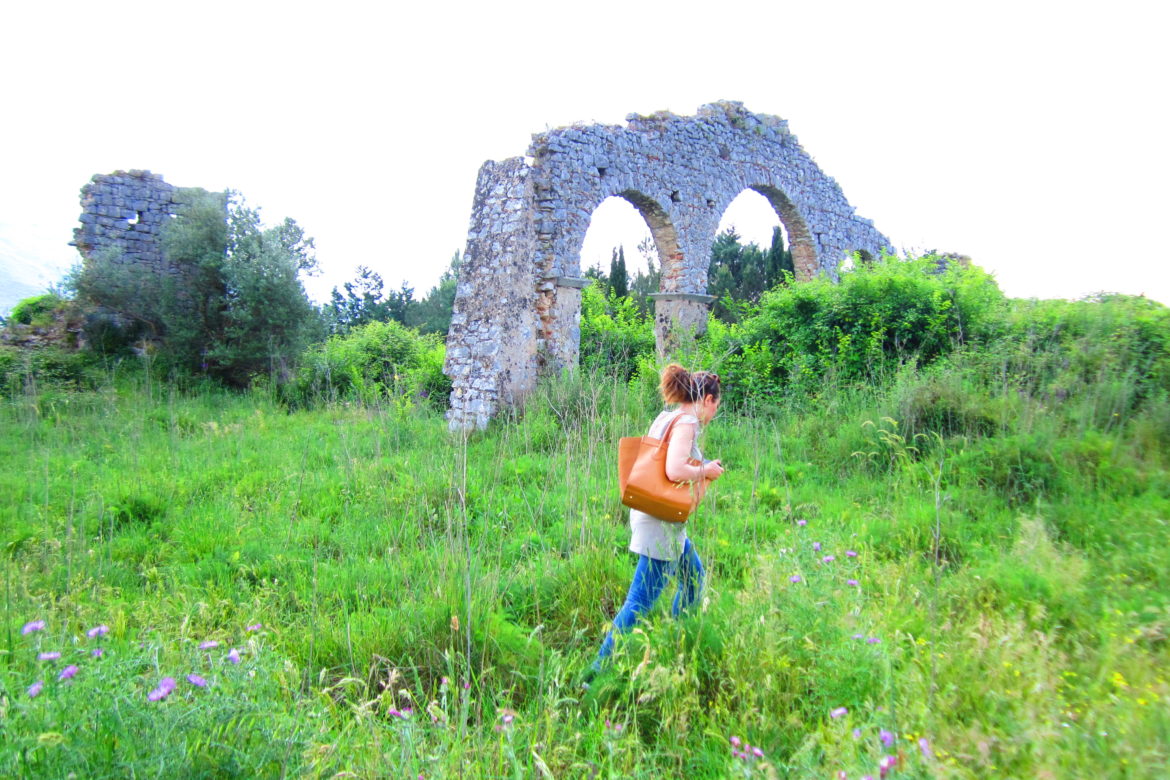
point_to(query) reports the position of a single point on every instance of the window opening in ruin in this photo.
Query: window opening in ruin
(753, 218)
(135, 219)
(674, 198)
(615, 223)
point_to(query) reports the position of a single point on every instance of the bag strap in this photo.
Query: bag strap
(665, 438)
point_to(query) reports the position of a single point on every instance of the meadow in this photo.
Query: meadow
(956, 570)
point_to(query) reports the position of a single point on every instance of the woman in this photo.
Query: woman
(663, 549)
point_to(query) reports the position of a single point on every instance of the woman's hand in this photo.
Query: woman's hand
(712, 469)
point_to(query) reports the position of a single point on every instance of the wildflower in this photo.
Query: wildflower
(859, 636)
(35, 689)
(36, 625)
(802, 523)
(852, 583)
(97, 631)
(197, 681)
(851, 553)
(924, 746)
(873, 640)
(867, 777)
(253, 627)
(817, 546)
(52, 655)
(96, 652)
(829, 558)
(67, 672)
(735, 741)
(841, 775)
(857, 733)
(794, 578)
(838, 712)
(165, 686)
(886, 764)
(757, 752)
(886, 737)
(210, 644)
(466, 685)
(234, 656)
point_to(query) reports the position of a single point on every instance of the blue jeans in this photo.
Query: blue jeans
(650, 578)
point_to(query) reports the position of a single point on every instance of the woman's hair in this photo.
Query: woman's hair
(680, 386)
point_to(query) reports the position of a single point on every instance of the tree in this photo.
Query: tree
(618, 278)
(363, 302)
(433, 313)
(235, 306)
(742, 273)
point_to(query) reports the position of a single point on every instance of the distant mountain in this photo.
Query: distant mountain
(31, 259)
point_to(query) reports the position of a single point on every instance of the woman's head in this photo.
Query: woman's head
(680, 386)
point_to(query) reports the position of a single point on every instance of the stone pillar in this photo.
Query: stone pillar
(678, 318)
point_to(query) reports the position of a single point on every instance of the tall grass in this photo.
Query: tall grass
(403, 602)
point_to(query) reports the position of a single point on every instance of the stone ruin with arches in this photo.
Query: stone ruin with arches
(518, 300)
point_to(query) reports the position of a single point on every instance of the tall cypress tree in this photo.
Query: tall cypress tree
(619, 280)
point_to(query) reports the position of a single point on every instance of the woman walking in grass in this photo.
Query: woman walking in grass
(664, 551)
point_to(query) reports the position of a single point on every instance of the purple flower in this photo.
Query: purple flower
(165, 686)
(829, 558)
(735, 741)
(757, 752)
(96, 652)
(234, 656)
(851, 553)
(36, 625)
(802, 523)
(857, 733)
(859, 636)
(97, 631)
(52, 655)
(886, 764)
(924, 746)
(867, 777)
(35, 689)
(886, 737)
(873, 640)
(197, 681)
(794, 578)
(210, 644)
(817, 546)
(841, 775)
(67, 672)
(253, 627)
(851, 583)
(838, 712)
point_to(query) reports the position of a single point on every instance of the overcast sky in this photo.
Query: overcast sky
(1029, 136)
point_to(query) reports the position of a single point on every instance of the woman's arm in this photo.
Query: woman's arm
(679, 452)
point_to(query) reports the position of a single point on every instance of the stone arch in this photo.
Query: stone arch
(517, 306)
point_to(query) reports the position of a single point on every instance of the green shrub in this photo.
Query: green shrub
(37, 310)
(615, 334)
(374, 362)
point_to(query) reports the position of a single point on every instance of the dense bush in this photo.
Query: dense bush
(373, 362)
(614, 333)
(36, 311)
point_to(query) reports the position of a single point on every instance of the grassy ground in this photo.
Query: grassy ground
(387, 600)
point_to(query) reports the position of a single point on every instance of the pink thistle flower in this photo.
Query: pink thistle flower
(873, 640)
(795, 578)
(838, 712)
(210, 644)
(852, 583)
(886, 737)
(234, 656)
(197, 681)
(35, 689)
(35, 625)
(97, 631)
(867, 777)
(96, 652)
(829, 558)
(851, 553)
(735, 741)
(817, 546)
(253, 627)
(757, 752)
(67, 672)
(165, 686)
(802, 523)
(886, 764)
(857, 733)
(924, 746)
(859, 636)
(52, 655)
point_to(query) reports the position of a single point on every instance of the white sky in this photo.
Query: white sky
(1028, 135)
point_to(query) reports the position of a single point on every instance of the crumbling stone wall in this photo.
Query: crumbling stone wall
(126, 211)
(517, 307)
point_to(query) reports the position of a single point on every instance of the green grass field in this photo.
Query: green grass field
(348, 590)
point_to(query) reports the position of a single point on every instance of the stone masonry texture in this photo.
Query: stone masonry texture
(517, 307)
